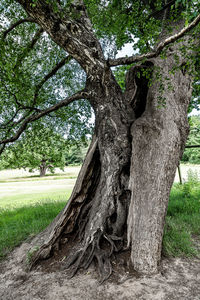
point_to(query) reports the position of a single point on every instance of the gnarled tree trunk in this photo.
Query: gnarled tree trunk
(158, 140)
(152, 135)
(121, 195)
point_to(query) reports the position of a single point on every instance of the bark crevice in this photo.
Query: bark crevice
(138, 81)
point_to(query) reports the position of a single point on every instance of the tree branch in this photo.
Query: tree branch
(19, 107)
(38, 87)
(29, 47)
(158, 50)
(157, 12)
(13, 26)
(35, 116)
(50, 74)
(192, 146)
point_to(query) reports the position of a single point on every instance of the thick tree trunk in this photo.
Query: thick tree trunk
(158, 140)
(95, 218)
(96, 214)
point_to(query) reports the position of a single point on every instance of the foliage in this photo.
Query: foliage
(36, 149)
(26, 60)
(76, 154)
(192, 155)
(28, 56)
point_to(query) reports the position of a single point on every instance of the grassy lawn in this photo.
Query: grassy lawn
(27, 207)
(29, 203)
(182, 228)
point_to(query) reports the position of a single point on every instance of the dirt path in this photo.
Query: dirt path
(180, 280)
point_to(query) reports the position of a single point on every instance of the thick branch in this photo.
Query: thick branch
(72, 33)
(13, 26)
(35, 116)
(158, 50)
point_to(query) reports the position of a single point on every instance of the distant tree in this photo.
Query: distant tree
(192, 155)
(76, 154)
(43, 150)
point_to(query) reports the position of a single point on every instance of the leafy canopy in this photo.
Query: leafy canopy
(35, 73)
(37, 149)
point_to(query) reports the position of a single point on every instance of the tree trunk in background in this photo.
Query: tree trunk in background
(43, 168)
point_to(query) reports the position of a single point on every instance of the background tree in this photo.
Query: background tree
(120, 199)
(76, 154)
(192, 155)
(41, 150)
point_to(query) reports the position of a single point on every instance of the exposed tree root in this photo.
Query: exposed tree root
(100, 249)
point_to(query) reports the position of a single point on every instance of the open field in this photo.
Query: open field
(21, 174)
(185, 168)
(18, 187)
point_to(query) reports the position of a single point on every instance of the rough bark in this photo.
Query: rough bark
(95, 216)
(158, 140)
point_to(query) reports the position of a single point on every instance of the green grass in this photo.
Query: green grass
(24, 215)
(16, 225)
(16, 201)
(183, 220)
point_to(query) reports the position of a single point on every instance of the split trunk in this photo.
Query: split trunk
(121, 195)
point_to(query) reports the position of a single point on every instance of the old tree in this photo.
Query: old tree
(120, 198)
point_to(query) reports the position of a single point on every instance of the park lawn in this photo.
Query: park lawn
(14, 201)
(182, 228)
(23, 215)
(16, 225)
(27, 207)
(24, 175)
(28, 215)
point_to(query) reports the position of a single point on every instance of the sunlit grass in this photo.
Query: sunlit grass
(16, 225)
(183, 220)
(22, 215)
(13, 202)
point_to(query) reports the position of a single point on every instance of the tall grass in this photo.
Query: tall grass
(182, 226)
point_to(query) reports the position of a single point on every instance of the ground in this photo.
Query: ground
(179, 280)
